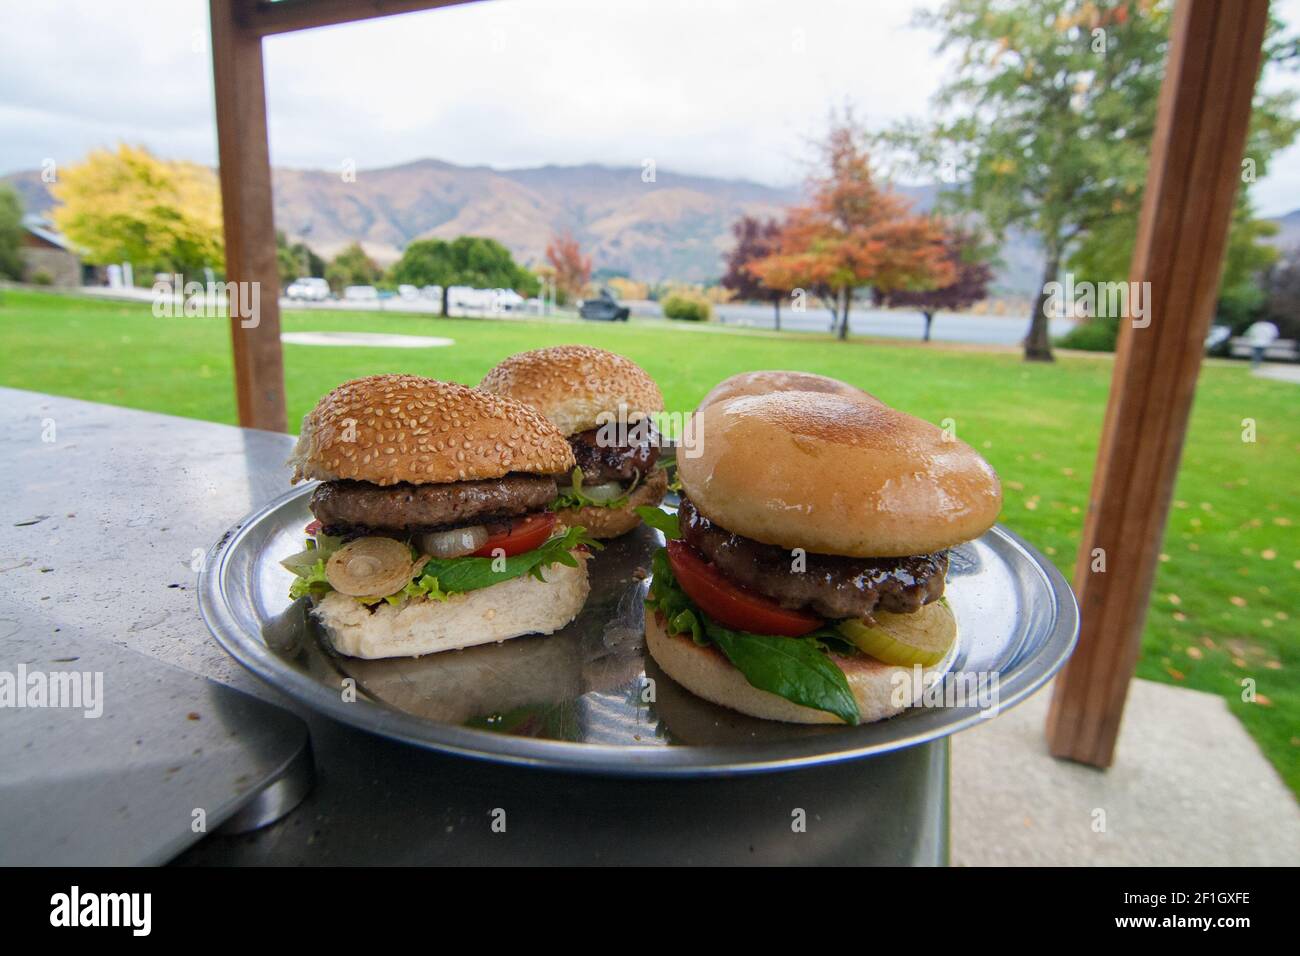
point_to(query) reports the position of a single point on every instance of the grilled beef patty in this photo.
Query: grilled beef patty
(600, 464)
(345, 507)
(831, 586)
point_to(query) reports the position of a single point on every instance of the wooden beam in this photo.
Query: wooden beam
(1204, 109)
(264, 18)
(247, 212)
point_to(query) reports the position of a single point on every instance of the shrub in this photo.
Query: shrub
(686, 308)
(41, 277)
(1093, 335)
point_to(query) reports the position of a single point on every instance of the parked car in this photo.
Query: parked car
(308, 289)
(361, 293)
(408, 292)
(467, 297)
(603, 308)
(507, 300)
(433, 292)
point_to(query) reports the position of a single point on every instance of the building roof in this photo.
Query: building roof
(44, 229)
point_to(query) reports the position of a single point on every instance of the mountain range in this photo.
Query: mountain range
(676, 226)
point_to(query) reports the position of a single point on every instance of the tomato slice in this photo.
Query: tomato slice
(523, 534)
(732, 604)
(313, 529)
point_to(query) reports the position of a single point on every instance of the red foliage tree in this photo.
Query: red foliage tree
(755, 239)
(572, 268)
(970, 285)
(853, 233)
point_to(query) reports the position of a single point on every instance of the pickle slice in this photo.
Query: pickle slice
(922, 637)
(370, 566)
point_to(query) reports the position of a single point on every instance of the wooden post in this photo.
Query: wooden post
(1205, 102)
(246, 210)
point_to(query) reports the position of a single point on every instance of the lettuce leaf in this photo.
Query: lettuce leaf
(660, 520)
(441, 577)
(572, 497)
(308, 580)
(457, 575)
(796, 668)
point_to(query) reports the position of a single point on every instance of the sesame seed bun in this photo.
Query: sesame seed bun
(387, 429)
(881, 690)
(836, 475)
(603, 523)
(772, 380)
(573, 385)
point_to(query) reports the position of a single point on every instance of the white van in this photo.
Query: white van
(308, 289)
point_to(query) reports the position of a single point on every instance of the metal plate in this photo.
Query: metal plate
(574, 700)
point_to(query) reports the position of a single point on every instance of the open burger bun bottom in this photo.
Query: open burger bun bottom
(604, 523)
(775, 380)
(881, 690)
(512, 608)
(837, 475)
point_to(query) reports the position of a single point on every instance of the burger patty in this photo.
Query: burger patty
(344, 507)
(613, 463)
(830, 585)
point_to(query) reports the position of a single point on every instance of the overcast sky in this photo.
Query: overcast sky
(722, 88)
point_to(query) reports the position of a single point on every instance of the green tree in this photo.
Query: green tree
(11, 233)
(296, 260)
(467, 260)
(129, 206)
(1047, 124)
(352, 267)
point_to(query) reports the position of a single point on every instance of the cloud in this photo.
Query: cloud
(724, 88)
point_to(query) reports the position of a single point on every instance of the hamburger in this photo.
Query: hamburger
(773, 380)
(804, 573)
(431, 530)
(603, 403)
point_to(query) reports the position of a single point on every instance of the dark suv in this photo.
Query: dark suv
(604, 308)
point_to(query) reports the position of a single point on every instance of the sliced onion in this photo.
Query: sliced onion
(369, 567)
(607, 491)
(454, 543)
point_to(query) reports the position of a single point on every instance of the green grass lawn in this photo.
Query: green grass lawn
(1230, 567)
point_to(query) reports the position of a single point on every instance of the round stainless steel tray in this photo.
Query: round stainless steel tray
(577, 700)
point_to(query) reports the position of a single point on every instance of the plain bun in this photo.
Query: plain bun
(773, 380)
(387, 429)
(836, 475)
(573, 385)
(522, 605)
(881, 690)
(605, 523)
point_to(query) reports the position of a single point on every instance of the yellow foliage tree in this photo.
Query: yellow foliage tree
(127, 205)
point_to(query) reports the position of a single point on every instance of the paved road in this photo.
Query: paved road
(948, 326)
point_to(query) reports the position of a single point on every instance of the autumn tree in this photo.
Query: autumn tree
(1046, 126)
(127, 205)
(853, 233)
(572, 268)
(972, 276)
(755, 239)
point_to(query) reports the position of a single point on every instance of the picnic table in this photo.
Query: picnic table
(108, 512)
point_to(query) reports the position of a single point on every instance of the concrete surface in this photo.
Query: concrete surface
(1188, 788)
(1281, 373)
